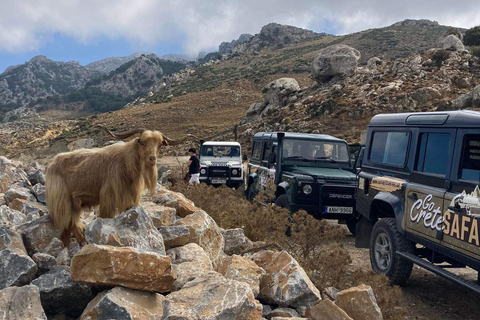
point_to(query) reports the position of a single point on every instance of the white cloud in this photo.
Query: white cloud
(198, 25)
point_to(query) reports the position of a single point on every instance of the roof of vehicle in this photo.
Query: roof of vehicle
(221, 143)
(296, 135)
(462, 118)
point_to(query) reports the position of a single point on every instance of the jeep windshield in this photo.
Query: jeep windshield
(314, 150)
(220, 151)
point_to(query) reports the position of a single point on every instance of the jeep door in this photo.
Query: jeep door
(266, 172)
(254, 165)
(428, 182)
(462, 202)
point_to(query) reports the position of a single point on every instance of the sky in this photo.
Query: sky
(90, 30)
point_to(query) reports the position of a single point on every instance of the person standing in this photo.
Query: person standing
(193, 166)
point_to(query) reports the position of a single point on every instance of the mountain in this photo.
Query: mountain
(109, 64)
(40, 78)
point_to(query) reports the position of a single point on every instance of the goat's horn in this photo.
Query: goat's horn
(175, 142)
(121, 136)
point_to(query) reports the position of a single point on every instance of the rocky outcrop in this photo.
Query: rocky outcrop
(227, 47)
(21, 303)
(274, 34)
(468, 100)
(337, 61)
(111, 63)
(451, 42)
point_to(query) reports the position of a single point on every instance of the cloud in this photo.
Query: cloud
(200, 25)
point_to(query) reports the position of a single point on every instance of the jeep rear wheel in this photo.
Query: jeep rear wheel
(250, 193)
(385, 241)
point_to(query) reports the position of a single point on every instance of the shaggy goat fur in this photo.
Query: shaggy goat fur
(113, 177)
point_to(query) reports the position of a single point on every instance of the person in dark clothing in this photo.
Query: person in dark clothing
(193, 166)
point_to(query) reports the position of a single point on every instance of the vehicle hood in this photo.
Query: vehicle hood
(224, 161)
(324, 173)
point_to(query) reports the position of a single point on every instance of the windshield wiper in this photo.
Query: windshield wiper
(326, 158)
(297, 158)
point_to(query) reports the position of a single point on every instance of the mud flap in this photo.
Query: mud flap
(363, 230)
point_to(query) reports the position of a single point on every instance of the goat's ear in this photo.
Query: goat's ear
(140, 142)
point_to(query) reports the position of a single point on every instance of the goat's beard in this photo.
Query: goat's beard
(150, 176)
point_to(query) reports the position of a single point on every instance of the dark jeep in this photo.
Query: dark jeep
(418, 194)
(312, 172)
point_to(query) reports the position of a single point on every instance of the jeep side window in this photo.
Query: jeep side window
(257, 150)
(266, 152)
(470, 166)
(432, 156)
(389, 148)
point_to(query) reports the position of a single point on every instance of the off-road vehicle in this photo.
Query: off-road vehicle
(418, 194)
(312, 172)
(221, 163)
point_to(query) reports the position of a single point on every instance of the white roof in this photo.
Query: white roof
(221, 143)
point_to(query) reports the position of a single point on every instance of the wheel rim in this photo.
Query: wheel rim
(383, 252)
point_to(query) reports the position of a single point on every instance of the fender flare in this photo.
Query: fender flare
(396, 204)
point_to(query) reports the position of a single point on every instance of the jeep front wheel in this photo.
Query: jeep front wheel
(282, 201)
(385, 241)
(250, 192)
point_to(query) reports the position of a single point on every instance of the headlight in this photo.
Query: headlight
(203, 171)
(234, 172)
(307, 189)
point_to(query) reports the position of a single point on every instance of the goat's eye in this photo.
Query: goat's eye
(140, 142)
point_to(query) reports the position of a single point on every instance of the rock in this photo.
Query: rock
(15, 192)
(16, 268)
(468, 100)
(10, 217)
(54, 247)
(85, 143)
(451, 42)
(10, 239)
(204, 232)
(38, 234)
(60, 294)
(38, 191)
(244, 270)
(189, 262)
(373, 63)
(211, 296)
(331, 293)
(335, 61)
(100, 265)
(359, 303)
(275, 91)
(326, 310)
(284, 312)
(286, 283)
(426, 95)
(124, 303)
(63, 258)
(161, 216)
(36, 177)
(279, 35)
(227, 47)
(9, 174)
(45, 262)
(183, 206)
(174, 236)
(21, 303)
(234, 241)
(288, 318)
(133, 228)
(26, 207)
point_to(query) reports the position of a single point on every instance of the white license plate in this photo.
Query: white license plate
(219, 181)
(339, 209)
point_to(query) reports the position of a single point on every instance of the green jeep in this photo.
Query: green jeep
(312, 172)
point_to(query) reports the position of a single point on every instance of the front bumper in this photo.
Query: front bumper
(228, 181)
(318, 213)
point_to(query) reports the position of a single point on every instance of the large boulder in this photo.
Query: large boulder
(100, 265)
(38, 234)
(275, 91)
(359, 303)
(189, 262)
(10, 239)
(16, 268)
(10, 217)
(45, 262)
(133, 228)
(54, 247)
(174, 236)
(335, 61)
(21, 303)
(451, 42)
(286, 283)
(178, 201)
(211, 296)
(161, 216)
(234, 241)
(16, 192)
(26, 207)
(204, 232)
(124, 303)
(326, 310)
(60, 294)
(36, 177)
(244, 270)
(468, 100)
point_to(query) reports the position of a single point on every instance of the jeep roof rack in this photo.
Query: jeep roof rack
(462, 119)
(297, 135)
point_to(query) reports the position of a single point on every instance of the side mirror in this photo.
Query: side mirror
(244, 157)
(271, 158)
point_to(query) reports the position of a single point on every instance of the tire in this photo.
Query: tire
(250, 193)
(282, 201)
(384, 242)
(352, 225)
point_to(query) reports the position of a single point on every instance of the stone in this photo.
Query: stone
(234, 241)
(286, 283)
(38, 234)
(451, 42)
(10, 217)
(204, 232)
(21, 303)
(16, 268)
(182, 205)
(101, 265)
(326, 310)
(84, 143)
(335, 61)
(284, 312)
(124, 303)
(373, 63)
(288, 318)
(244, 270)
(26, 207)
(63, 258)
(161, 216)
(189, 262)
(133, 228)
(330, 293)
(38, 191)
(174, 236)
(54, 247)
(45, 262)
(10, 239)
(32, 216)
(359, 303)
(275, 91)
(36, 177)
(468, 100)
(426, 95)
(9, 174)
(15, 192)
(60, 294)
(211, 296)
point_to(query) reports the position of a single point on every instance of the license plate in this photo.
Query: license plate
(219, 181)
(339, 209)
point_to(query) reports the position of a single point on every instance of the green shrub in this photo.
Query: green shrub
(475, 51)
(440, 56)
(472, 36)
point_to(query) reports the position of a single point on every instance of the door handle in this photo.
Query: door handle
(414, 197)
